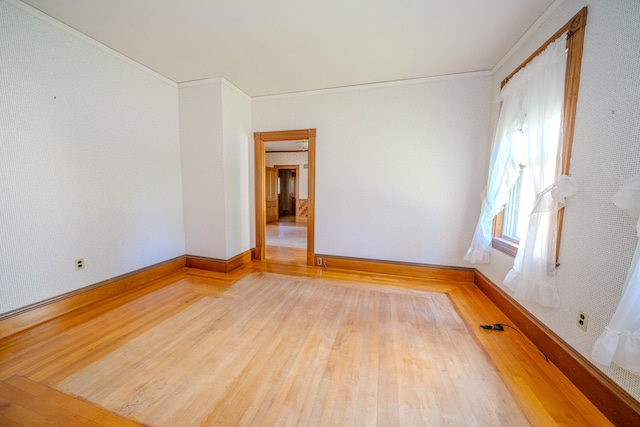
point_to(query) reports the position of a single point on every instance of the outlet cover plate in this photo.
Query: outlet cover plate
(583, 320)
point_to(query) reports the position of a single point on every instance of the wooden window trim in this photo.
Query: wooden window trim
(575, 41)
(500, 243)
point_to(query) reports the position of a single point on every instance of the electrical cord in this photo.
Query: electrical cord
(501, 326)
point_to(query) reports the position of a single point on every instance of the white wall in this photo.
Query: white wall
(89, 162)
(238, 189)
(215, 130)
(598, 239)
(201, 143)
(397, 170)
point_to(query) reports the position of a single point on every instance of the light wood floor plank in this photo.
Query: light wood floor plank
(269, 319)
(284, 344)
(35, 404)
(31, 354)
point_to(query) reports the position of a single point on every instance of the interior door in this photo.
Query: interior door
(271, 193)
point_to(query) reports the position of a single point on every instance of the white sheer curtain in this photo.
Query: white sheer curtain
(620, 342)
(504, 168)
(529, 133)
(532, 277)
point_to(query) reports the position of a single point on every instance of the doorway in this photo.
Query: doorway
(287, 192)
(286, 238)
(260, 139)
(288, 184)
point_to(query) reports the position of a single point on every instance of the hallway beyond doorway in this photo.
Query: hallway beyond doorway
(288, 233)
(287, 241)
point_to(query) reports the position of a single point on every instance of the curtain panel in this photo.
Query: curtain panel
(507, 154)
(529, 135)
(532, 277)
(620, 341)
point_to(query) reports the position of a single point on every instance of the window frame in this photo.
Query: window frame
(575, 43)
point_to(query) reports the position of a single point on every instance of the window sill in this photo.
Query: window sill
(503, 245)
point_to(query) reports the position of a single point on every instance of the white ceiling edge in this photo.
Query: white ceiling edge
(75, 33)
(213, 80)
(392, 83)
(527, 35)
(72, 31)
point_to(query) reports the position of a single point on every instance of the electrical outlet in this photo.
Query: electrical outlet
(583, 320)
(319, 262)
(79, 263)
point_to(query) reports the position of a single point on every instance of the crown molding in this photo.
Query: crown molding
(527, 35)
(214, 80)
(393, 83)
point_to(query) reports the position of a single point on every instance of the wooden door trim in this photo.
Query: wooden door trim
(259, 139)
(269, 218)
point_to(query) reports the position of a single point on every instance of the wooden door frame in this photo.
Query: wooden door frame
(277, 200)
(297, 190)
(259, 139)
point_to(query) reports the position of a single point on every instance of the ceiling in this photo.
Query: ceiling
(283, 46)
(280, 146)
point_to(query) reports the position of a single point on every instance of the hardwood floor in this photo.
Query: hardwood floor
(287, 233)
(279, 343)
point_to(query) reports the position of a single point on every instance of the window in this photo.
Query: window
(531, 149)
(510, 225)
(516, 211)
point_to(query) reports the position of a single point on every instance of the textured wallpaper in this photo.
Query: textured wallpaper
(89, 163)
(598, 239)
